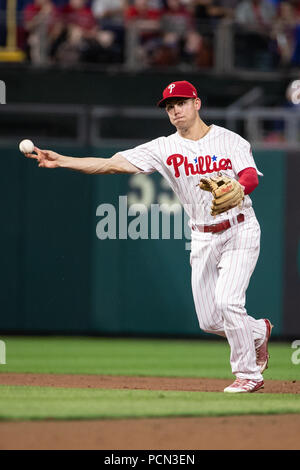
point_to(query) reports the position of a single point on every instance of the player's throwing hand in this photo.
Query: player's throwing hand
(45, 158)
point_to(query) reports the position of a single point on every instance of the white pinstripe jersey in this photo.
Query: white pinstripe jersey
(183, 162)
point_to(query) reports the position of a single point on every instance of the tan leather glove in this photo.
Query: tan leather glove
(227, 193)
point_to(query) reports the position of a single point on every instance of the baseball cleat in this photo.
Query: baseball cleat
(262, 355)
(244, 386)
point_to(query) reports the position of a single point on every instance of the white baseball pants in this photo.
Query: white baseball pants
(222, 264)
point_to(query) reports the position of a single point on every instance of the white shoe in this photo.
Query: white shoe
(244, 386)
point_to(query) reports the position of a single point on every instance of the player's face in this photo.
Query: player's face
(183, 112)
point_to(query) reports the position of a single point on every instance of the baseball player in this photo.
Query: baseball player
(212, 171)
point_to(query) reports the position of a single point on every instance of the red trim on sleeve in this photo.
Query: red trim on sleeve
(249, 179)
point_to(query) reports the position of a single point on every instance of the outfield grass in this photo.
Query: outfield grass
(174, 358)
(32, 403)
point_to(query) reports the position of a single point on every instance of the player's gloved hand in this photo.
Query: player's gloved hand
(227, 193)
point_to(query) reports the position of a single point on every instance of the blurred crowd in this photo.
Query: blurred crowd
(266, 33)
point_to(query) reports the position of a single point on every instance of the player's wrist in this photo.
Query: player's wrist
(62, 162)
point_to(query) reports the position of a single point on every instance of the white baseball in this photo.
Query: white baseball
(26, 146)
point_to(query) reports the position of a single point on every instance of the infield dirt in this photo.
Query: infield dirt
(237, 432)
(138, 383)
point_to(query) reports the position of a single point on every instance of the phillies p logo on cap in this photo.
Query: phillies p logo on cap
(181, 89)
(171, 87)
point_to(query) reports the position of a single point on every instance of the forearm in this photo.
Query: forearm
(88, 165)
(116, 164)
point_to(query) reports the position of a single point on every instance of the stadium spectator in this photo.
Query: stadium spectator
(210, 11)
(143, 24)
(40, 24)
(176, 18)
(162, 32)
(256, 14)
(284, 31)
(175, 22)
(78, 13)
(201, 10)
(254, 18)
(81, 39)
(181, 43)
(296, 6)
(197, 50)
(142, 12)
(295, 60)
(109, 12)
(166, 52)
(207, 14)
(110, 17)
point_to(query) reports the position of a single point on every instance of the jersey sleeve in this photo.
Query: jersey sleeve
(243, 157)
(143, 157)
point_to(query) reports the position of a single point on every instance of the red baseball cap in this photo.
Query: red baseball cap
(181, 89)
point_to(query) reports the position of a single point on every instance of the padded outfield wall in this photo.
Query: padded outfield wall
(58, 276)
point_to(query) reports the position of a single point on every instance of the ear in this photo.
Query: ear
(198, 104)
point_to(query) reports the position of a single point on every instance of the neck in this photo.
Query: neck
(198, 130)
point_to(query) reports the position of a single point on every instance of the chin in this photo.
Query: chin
(181, 126)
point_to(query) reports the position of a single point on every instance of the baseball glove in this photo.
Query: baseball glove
(227, 193)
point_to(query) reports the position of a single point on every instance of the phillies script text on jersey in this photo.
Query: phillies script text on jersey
(204, 165)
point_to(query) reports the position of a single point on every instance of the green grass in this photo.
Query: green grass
(175, 358)
(31, 403)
